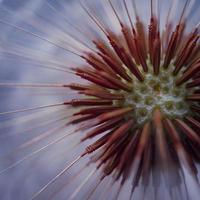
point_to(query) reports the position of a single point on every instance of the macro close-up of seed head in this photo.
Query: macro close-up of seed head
(100, 99)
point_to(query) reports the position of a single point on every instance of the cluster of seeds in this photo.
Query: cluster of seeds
(157, 92)
(140, 101)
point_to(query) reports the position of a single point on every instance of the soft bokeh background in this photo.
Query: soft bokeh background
(21, 182)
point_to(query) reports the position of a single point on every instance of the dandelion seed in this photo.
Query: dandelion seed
(127, 124)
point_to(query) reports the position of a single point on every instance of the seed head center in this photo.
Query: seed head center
(157, 91)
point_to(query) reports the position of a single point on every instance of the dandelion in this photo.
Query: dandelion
(127, 124)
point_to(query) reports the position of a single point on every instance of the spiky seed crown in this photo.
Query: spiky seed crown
(142, 101)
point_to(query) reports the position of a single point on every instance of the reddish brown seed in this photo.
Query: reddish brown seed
(162, 159)
(114, 148)
(133, 68)
(137, 160)
(159, 131)
(195, 61)
(136, 178)
(120, 132)
(172, 132)
(80, 118)
(171, 47)
(99, 143)
(156, 54)
(152, 36)
(183, 156)
(79, 87)
(102, 128)
(91, 62)
(192, 70)
(194, 55)
(105, 117)
(194, 123)
(180, 38)
(197, 75)
(147, 159)
(186, 54)
(88, 102)
(113, 114)
(140, 53)
(194, 97)
(115, 82)
(120, 51)
(139, 48)
(188, 131)
(105, 50)
(102, 94)
(195, 108)
(185, 45)
(96, 62)
(96, 110)
(143, 140)
(124, 56)
(112, 164)
(193, 83)
(166, 36)
(165, 166)
(130, 43)
(118, 68)
(97, 80)
(128, 153)
(141, 32)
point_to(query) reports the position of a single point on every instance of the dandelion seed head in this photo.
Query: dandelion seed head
(109, 94)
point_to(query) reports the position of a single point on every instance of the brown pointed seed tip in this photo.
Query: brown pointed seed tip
(113, 114)
(190, 133)
(121, 131)
(87, 102)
